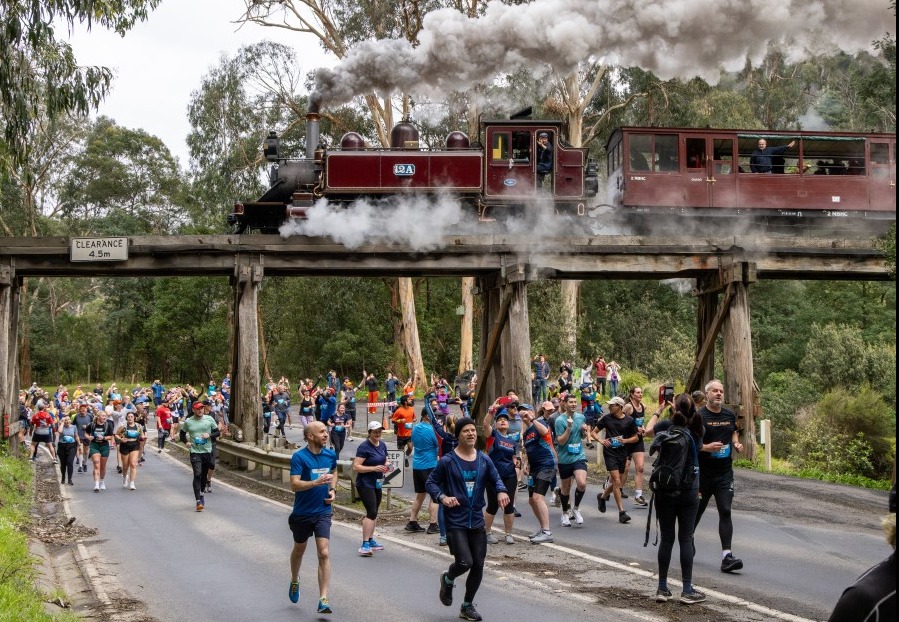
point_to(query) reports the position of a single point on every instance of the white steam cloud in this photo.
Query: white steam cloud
(672, 38)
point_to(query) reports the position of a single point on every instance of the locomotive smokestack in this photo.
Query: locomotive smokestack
(312, 127)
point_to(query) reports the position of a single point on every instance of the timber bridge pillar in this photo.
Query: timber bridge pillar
(730, 318)
(504, 360)
(9, 322)
(245, 405)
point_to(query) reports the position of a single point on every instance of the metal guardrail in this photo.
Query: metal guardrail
(278, 460)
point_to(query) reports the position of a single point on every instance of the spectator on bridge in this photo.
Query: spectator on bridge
(762, 159)
(873, 595)
(313, 482)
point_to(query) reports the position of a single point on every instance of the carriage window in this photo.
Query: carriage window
(829, 155)
(500, 146)
(613, 158)
(778, 162)
(880, 158)
(653, 153)
(695, 153)
(723, 154)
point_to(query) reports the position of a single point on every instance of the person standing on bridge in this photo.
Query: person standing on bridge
(716, 472)
(458, 483)
(313, 482)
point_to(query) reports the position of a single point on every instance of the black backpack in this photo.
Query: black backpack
(674, 471)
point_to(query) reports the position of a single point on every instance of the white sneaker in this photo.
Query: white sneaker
(578, 519)
(102, 485)
(125, 482)
(132, 486)
(552, 499)
(96, 486)
(566, 522)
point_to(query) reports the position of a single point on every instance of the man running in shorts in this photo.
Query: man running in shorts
(313, 483)
(571, 430)
(716, 473)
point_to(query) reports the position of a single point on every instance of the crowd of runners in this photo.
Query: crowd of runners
(539, 449)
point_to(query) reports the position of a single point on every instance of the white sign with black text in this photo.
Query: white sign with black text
(98, 249)
(394, 477)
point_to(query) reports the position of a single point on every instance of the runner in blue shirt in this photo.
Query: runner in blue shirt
(424, 444)
(313, 482)
(370, 465)
(502, 448)
(540, 468)
(571, 431)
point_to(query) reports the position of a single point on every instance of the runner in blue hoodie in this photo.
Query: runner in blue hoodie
(458, 484)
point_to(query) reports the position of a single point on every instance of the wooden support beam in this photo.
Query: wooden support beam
(489, 355)
(7, 282)
(517, 364)
(245, 383)
(707, 347)
(739, 381)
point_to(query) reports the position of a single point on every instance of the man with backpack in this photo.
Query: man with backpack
(675, 486)
(716, 473)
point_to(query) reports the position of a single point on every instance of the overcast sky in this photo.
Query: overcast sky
(160, 61)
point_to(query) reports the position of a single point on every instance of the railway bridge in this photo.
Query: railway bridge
(722, 268)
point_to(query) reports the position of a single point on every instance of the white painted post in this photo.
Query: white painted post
(765, 430)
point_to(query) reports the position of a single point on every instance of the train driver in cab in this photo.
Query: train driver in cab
(544, 157)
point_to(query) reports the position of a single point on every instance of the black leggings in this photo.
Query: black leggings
(66, 453)
(200, 464)
(338, 439)
(722, 488)
(469, 548)
(683, 510)
(511, 484)
(371, 501)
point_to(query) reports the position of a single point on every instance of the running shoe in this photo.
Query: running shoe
(730, 563)
(293, 592)
(199, 506)
(516, 512)
(640, 501)
(432, 529)
(441, 541)
(522, 486)
(623, 518)
(623, 494)
(602, 503)
(132, 487)
(689, 598)
(375, 545)
(118, 469)
(413, 527)
(324, 606)
(55, 460)
(468, 612)
(446, 590)
(96, 486)
(365, 550)
(71, 483)
(578, 517)
(565, 520)
(662, 596)
(542, 538)
(102, 485)
(208, 487)
(509, 539)
(125, 482)
(491, 539)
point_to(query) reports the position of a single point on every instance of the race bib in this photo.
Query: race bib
(98, 435)
(314, 474)
(199, 440)
(338, 428)
(378, 484)
(530, 481)
(68, 439)
(616, 442)
(132, 433)
(638, 421)
(574, 448)
(469, 488)
(267, 415)
(408, 426)
(724, 452)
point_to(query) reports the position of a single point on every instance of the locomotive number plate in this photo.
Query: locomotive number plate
(404, 170)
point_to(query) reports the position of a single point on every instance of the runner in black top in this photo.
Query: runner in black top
(621, 431)
(636, 452)
(716, 474)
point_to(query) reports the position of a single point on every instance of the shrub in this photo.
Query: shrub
(782, 395)
(631, 379)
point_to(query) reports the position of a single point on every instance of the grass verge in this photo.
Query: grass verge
(782, 467)
(19, 598)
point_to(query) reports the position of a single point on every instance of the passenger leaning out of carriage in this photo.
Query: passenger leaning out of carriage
(761, 160)
(544, 157)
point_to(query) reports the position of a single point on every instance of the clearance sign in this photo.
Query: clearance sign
(98, 249)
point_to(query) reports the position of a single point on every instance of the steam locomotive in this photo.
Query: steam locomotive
(652, 174)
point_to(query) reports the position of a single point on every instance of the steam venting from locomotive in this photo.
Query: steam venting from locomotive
(669, 37)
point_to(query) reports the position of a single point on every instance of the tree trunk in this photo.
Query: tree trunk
(466, 340)
(410, 341)
(570, 293)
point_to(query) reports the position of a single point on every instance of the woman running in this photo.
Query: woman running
(43, 428)
(370, 465)
(502, 447)
(129, 436)
(101, 432)
(337, 424)
(68, 448)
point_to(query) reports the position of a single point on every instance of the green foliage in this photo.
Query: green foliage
(888, 245)
(847, 434)
(783, 395)
(631, 379)
(674, 356)
(40, 73)
(781, 467)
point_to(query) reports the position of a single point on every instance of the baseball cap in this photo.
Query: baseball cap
(375, 425)
(503, 413)
(526, 407)
(616, 400)
(198, 406)
(543, 135)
